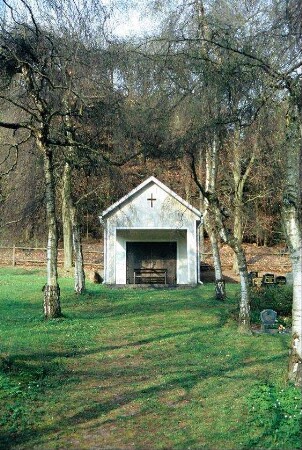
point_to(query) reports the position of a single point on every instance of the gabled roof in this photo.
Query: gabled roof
(141, 186)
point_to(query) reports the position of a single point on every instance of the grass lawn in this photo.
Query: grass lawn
(138, 369)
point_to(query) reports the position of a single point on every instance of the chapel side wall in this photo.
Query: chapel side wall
(110, 254)
(105, 251)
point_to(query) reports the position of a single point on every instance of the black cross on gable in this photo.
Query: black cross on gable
(151, 200)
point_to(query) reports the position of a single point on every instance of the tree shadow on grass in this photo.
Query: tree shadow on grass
(144, 306)
(185, 377)
(17, 363)
(53, 372)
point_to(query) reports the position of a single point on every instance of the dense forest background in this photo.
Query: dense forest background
(22, 195)
(140, 107)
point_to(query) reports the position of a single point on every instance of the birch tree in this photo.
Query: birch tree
(37, 63)
(211, 162)
(283, 68)
(20, 49)
(259, 45)
(240, 171)
(293, 227)
(256, 43)
(225, 234)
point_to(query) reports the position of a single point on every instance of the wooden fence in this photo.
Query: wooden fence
(36, 256)
(94, 257)
(264, 261)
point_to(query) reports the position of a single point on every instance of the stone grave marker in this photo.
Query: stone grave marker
(268, 319)
(251, 277)
(268, 279)
(280, 280)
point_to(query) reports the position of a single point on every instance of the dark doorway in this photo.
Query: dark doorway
(160, 256)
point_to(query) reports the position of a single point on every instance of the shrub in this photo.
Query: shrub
(278, 298)
(276, 413)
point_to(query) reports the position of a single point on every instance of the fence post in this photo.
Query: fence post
(14, 255)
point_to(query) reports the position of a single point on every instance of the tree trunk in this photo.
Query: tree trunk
(79, 274)
(52, 307)
(226, 236)
(202, 209)
(292, 223)
(244, 324)
(220, 285)
(237, 230)
(295, 359)
(66, 217)
(72, 220)
(209, 217)
(244, 306)
(240, 176)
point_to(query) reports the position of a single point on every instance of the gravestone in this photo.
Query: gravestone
(253, 274)
(268, 279)
(280, 280)
(251, 277)
(268, 319)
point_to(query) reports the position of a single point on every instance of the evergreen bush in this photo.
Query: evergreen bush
(278, 298)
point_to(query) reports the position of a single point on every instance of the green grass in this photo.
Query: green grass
(142, 369)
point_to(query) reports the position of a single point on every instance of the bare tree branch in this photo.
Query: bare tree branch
(16, 125)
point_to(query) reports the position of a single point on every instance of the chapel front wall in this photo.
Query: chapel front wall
(164, 212)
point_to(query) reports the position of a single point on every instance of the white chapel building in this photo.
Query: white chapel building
(151, 236)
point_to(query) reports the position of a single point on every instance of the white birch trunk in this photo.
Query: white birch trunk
(244, 306)
(66, 217)
(209, 217)
(228, 238)
(216, 256)
(244, 324)
(295, 361)
(292, 223)
(239, 177)
(202, 209)
(79, 274)
(52, 306)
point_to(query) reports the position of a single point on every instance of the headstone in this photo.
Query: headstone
(251, 277)
(257, 282)
(280, 280)
(268, 279)
(253, 274)
(268, 319)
